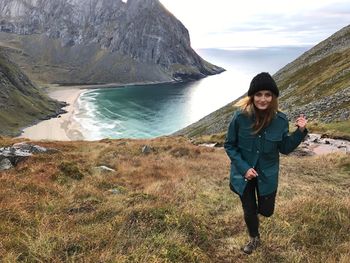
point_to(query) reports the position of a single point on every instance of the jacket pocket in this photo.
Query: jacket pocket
(245, 142)
(271, 141)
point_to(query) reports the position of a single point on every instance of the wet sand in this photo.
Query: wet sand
(62, 128)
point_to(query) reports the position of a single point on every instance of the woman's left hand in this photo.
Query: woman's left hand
(301, 122)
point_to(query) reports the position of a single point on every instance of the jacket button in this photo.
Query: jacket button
(257, 151)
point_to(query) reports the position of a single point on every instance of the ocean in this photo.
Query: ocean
(154, 110)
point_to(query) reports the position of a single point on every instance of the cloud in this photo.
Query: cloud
(261, 23)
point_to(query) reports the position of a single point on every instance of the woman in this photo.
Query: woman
(256, 135)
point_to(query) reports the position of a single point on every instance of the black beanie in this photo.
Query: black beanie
(263, 81)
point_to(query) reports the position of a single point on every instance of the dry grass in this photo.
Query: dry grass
(171, 205)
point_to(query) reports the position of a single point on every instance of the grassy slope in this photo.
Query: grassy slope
(172, 205)
(21, 103)
(312, 81)
(304, 80)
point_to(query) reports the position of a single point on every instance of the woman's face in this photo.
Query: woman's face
(262, 99)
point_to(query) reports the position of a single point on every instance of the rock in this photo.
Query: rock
(103, 168)
(208, 144)
(25, 147)
(146, 149)
(14, 155)
(114, 191)
(21, 151)
(118, 189)
(344, 116)
(5, 164)
(324, 135)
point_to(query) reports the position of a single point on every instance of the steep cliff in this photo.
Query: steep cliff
(316, 84)
(21, 103)
(99, 41)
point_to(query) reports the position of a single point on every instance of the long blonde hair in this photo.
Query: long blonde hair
(262, 119)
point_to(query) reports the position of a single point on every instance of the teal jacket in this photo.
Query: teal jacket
(258, 151)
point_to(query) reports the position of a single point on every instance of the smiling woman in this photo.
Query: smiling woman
(257, 134)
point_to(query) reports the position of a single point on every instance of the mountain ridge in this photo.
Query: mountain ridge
(120, 42)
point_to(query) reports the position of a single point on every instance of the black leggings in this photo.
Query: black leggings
(251, 209)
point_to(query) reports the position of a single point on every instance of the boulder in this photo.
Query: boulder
(18, 153)
(5, 164)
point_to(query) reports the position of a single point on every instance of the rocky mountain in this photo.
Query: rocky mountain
(316, 84)
(99, 41)
(21, 103)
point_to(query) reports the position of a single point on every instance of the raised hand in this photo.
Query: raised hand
(301, 122)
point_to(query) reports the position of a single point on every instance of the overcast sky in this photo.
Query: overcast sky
(257, 23)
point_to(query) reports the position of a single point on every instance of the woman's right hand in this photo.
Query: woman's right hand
(250, 174)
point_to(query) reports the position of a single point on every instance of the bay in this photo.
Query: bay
(147, 111)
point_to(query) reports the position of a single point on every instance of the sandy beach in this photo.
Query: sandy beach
(65, 128)
(62, 128)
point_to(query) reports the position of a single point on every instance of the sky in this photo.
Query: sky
(233, 24)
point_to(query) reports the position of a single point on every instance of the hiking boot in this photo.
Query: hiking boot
(253, 243)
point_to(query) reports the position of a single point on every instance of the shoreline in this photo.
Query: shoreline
(86, 86)
(63, 127)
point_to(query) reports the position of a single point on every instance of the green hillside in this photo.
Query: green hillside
(21, 103)
(316, 84)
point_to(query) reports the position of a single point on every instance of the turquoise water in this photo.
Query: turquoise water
(154, 110)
